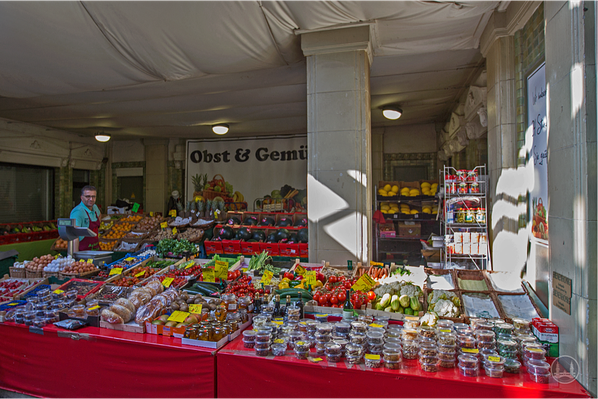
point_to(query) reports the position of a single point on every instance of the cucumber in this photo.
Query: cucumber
(290, 291)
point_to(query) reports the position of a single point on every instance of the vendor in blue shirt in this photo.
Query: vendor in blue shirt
(87, 214)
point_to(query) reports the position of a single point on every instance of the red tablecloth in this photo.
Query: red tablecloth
(241, 373)
(99, 362)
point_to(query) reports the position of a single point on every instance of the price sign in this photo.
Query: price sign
(135, 207)
(141, 273)
(89, 260)
(278, 322)
(167, 281)
(315, 359)
(310, 277)
(469, 350)
(16, 303)
(244, 270)
(209, 275)
(537, 350)
(376, 325)
(191, 264)
(278, 341)
(94, 307)
(151, 214)
(56, 257)
(172, 213)
(58, 292)
(129, 259)
(174, 230)
(300, 270)
(445, 331)
(364, 284)
(221, 269)
(178, 316)
(195, 308)
(369, 356)
(164, 225)
(267, 277)
(116, 270)
(376, 264)
(494, 358)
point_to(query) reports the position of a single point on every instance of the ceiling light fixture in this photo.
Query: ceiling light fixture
(102, 137)
(392, 113)
(221, 128)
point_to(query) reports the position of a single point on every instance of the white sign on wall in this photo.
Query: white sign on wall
(255, 167)
(537, 142)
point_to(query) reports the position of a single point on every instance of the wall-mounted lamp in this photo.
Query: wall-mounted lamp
(102, 137)
(392, 113)
(221, 128)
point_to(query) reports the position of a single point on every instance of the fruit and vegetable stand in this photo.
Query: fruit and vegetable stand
(343, 380)
(99, 362)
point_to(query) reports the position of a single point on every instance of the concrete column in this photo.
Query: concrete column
(339, 143)
(572, 182)
(156, 172)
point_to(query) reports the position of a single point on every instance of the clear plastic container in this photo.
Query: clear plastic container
(375, 349)
(262, 336)
(460, 326)
(248, 344)
(447, 364)
(411, 322)
(393, 340)
(484, 326)
(333, 349)
(342, 327)
(392, 345)
(468, 361)
(466, 342)
(354, 350)
(485, 335)
(506, 345)
(485, 353)
(262, 351)
(279, 349)
(72, 294)
(353, 359)
(77, 311)
(358, 338)
(504, 328)
(427, 332)
(540, 378)
(394, 355)
(428, 350)
(259, 320)
(301, 354)
(410, 349)
(494, 372)
(322, 338)
(343, 343)
(447, 356)
(494, 361)
(294, 336)
(446, 338)
(538, 366)
(261, 345)
(320, 349)
(534, 352)
(392, 365)
(428, 363)
(470, 352)
(445, 324)
(322, 318)
(468, 371)
(334, 358)
(485, 345)
(508, 354)
(373, 361)
(409, 334)
(375, 338)
(359, 326)
(393, 333)
(249, 335)
(512, 366)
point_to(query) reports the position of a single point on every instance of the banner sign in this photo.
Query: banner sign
(255, 167)
(537, 143)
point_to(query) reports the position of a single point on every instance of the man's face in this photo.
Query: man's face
(88, 198)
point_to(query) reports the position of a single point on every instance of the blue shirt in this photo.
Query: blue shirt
(81, 214)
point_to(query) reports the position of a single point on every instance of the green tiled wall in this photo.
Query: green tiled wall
(175, 179)
(63, 190)
(98, 179)
(410, 159)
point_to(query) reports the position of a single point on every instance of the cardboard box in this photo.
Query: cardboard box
(387, 230)
(410, 229)
(250, 248)
(271, 247)
(213, 247)
(231, 247)
(547, 333)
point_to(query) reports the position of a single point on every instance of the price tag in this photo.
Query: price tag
(376, 325)
(267, 277)
(174, 230)
(494, 358)
(322, 315)
(94, 307)
(300, 343)
(89, 260)
(369, 356)
(152, 214)
(469, 350)
(195, 308)
(244, 270)
(172, 213)
(56, 257)
(58, 292)
(310, 277)
(278, 322)
(14, 304)
(279, 341)
(191, 264)
(116, 270)
(364, 284)
(141, 273)
(537, 350)
(167, 281)
(315, 359)
(135, 207)
(278, 319)
(130, 259)
(221, 269)
(209, 276)
(445, 331)
(300, 270)
(178, 316)
(164, 225)
(372, 263)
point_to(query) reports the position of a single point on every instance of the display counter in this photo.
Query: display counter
(286, 376)
(98, 362)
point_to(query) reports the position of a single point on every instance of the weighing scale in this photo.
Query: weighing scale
(69, 232)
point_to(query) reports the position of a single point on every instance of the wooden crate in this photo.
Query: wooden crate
(470, 275)
(129, 327)
(79, 275)
(490, 295)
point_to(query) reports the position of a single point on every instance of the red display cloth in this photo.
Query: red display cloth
(103, 363)
(241, 373)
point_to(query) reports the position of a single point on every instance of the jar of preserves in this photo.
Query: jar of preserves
(462, 188)
(218, 333)
(470, 215)
(191, 331)
(472, 175)
(230, 301)
(474, 188)
(460, 216)
(461, 175)
(243, 302)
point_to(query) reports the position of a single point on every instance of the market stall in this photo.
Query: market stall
(99, 362)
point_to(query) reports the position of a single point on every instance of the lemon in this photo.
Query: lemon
(387, 187)
(395, 189)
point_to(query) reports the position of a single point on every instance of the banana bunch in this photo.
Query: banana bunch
(238, 197)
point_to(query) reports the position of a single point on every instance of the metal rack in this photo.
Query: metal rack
(465, 216)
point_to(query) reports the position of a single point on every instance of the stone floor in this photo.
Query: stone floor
(11, 394)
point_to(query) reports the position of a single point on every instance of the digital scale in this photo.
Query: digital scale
(68, 231)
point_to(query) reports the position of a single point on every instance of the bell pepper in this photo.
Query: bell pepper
(283, 285)
(289, 275)
(294, 284)
(320, 277)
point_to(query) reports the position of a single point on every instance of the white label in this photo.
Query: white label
(483, 239)
(475, 237)
(466, 249)
(475, 249)
(458, 248)
(232, 306)
(458, 238)
(466, 238)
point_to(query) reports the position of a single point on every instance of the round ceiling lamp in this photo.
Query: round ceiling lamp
(221, 128)
(102, 137)
(392, 113)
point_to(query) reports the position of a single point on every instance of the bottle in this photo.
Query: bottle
(300, 305)
(257, 304)
(277, 306)
(283, 308)
(348, 308)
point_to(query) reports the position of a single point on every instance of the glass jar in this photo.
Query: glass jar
(243, 302)
(462, 188)
(190, 333)
(460, 216)
(474, 188)
(218, 333)
(480, 216)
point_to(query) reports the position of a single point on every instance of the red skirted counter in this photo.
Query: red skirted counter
(97, 362)
(243, 374)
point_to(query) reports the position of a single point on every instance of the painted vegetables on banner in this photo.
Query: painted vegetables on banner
(243, 170)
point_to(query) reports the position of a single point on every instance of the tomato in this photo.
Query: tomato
(332, 279)
(357, 304)
(334, 305)
(342, 297)
(316, 297)
(334, 300)
(371, 295)
(348, 285)
(322, 300)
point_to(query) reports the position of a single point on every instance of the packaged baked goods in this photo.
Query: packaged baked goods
(126, 303)
(111, 317)
(123, 312)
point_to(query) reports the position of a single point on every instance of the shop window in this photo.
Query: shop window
(26, 193)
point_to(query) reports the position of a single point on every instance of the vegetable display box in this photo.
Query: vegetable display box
(84, 287)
